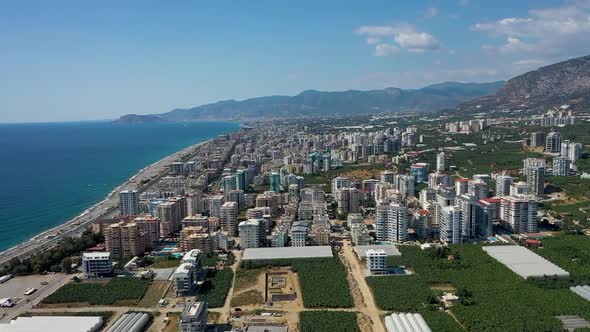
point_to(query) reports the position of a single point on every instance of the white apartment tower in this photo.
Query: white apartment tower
(451, 228)
(129, 203)
(392, 223)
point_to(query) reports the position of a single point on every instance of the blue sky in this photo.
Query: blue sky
(80, 60)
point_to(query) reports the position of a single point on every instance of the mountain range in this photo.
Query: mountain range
(311, 103)
(566, 82)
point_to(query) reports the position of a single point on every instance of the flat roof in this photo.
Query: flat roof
(96, 255)
(524, 262)
(53, 324)
(287, 252)
(390, 249)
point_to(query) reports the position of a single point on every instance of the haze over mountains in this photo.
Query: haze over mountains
(566, 82)
(320, 103)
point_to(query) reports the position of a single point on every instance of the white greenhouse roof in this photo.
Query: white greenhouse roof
(390, 250)
(53, 324)
(524, 262)
(406, 322)
(287, 252)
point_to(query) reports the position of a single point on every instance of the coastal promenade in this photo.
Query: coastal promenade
(104, 209)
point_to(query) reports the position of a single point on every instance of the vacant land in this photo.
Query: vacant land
(323, 280)
(124, 291)
(154, 294)
(250, 297)
(246, 278)
(328, 321)
(164, 263)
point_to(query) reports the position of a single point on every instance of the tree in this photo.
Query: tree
(66, 265)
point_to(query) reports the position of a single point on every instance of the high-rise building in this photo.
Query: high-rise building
(347, 200)
(340, 182)
(238, 197)
(241, 179)
(171, 212)
(250, 233)
(553, 142)
(561, 166)
(124, 240)
(575, 151)
(519, 214)
(405, 184)
(536, 180)
(196, 237)
(229, 184)
(469, 221)
(391, 223)
(150, 227)
(537, 139)
(275, 182)
(194, 203)
(503, 183)
(440, 162)
(214, 206)
(420, 172)
(229, 218)
(531, 162)
(387, 177)
(451, 228)
(519, 188)
(461, 186)
(477, 189)
(129, 203)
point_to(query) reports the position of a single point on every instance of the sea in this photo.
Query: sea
(52, 172)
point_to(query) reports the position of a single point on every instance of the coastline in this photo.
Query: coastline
(102, 209)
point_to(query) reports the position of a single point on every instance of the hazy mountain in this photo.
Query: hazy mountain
(319, 103)
(134, 118)
(566, 82)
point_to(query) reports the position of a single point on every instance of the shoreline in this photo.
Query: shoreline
(76, 225)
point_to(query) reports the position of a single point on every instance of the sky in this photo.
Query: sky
(87, 60)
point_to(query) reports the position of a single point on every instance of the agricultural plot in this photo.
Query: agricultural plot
(328, 321)
(323, 280)
(115, 291)
(216, 287)
(500, 299)
(571, 252)
(440, 321)
(407, 293)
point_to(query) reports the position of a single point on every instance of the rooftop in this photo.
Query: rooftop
(287, 252)
(390, 250)
(524, 262)
(52, 324)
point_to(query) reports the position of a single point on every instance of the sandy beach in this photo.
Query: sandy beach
(106, 208)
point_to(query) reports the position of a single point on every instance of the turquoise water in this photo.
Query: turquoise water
(52, 172)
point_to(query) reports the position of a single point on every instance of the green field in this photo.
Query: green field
(216, 287)
(115, 291)
(328, 321)
(323, 280)
(500, 299)
(570, 252)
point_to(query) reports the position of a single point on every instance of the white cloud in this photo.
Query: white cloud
(386, 50)
(551, 32)
(404, 37)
